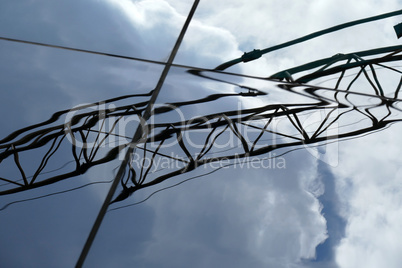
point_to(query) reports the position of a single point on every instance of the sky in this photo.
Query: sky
(336, 206)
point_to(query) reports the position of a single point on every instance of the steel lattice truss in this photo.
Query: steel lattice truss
(354, 102)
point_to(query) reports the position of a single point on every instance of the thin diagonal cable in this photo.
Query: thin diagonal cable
(146, 60)
(136, 139)
(51, 194)
(123, 57)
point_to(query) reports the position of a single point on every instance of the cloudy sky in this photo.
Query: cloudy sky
(338, 210)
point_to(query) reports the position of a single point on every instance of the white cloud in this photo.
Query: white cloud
(239, 216)
(370, 189)
(157, 22)
(244, 217)
(271, 219)
(261, 24)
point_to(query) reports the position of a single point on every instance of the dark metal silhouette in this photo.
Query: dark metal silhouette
(89, 134)
(257, 53)
(86, 126)
(398, 30)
